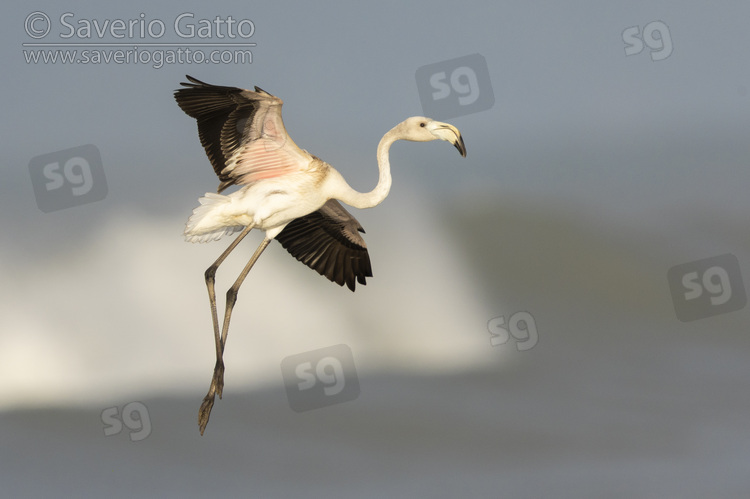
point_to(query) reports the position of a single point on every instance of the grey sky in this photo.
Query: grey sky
(574, 117)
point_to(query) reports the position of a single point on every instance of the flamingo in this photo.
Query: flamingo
(284, 190)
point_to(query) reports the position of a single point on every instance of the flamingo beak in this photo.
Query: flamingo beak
(449, 133)
(459, 143)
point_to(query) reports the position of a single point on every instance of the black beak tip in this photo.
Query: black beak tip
(459, 144)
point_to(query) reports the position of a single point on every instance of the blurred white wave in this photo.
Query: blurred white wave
(124, 311)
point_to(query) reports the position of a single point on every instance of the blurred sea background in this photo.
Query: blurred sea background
(591, 175)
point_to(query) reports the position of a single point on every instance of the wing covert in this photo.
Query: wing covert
(241, 131)
(328, 241)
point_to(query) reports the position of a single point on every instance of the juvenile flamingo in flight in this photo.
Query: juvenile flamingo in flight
(284, 190)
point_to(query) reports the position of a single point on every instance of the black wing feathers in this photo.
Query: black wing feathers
(328, 242)
(222, 114)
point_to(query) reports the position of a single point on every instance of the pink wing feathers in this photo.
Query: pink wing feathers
(272, 154)
(242, 132)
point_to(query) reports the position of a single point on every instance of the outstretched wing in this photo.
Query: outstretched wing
(328, 242)
(242, 132)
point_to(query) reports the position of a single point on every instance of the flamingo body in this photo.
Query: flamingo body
(283, 190)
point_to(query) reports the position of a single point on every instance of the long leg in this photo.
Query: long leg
(232, 292)
(208, 402)
(210, 276)
(217, 381)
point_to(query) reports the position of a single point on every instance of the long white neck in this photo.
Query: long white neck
(376, 196)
